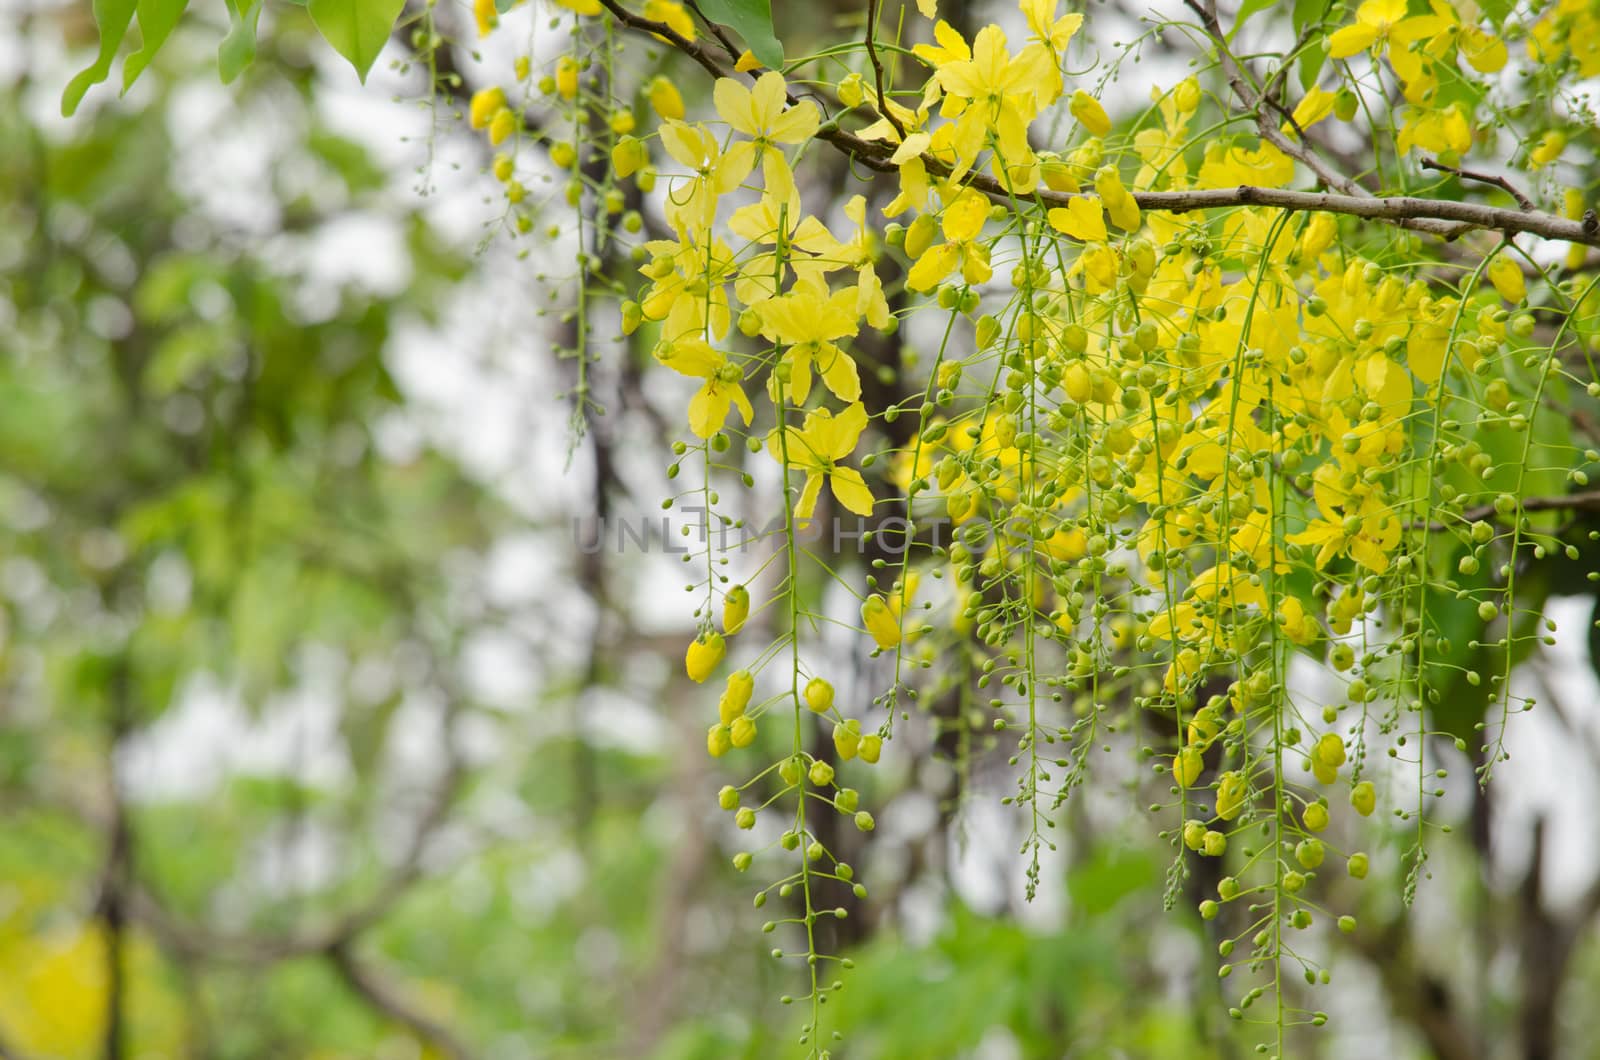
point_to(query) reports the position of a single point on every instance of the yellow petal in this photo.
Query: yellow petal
(933, 267)
(1350, 40)
(1081, 219)
(851, 490)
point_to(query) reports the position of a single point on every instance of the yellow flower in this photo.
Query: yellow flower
(763, 114)
(817, 448)
(1053, 32)
(693, 146)
(999, 96)
(819, 695)
(708, 409)
(809, 321)
(704, 653)
(1229, 167)
(582, 7)
(1440, 131)
(1368, 535)
(1374, 20)
(963, 220)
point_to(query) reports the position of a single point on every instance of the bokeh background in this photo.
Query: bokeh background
(324, 734)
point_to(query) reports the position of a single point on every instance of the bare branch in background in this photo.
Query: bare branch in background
(387, 998)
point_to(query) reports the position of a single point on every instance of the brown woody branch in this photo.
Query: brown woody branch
(1443, 218)
(1483, 178)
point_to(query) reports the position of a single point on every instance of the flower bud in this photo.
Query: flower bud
(1364, 797)
(728, 797)
(1186, 97)
(736, 696)
(1186, 766)
(735, 609)
(718, 740)
(567, 77)
(1231, 790)
(852, 90)
(745, 818)
(743, 731)
(1090, 114)
(486, 103)
(821, 773)
(819, 695)
(871, 747)
(847, 739)
(502, 125)
(664, 99)
(1329, 750)
(704, 653)
(864, 821)
(880, 621)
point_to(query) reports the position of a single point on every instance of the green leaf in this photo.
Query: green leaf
(357, 29)
(157, 19)
(112, 16)
(752, 20)
(1246, 9)
(238, 48)
(1312, 58)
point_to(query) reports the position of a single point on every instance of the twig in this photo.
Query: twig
(1484, 178)
(877, 66)
(1433, 224)
(1569, 502)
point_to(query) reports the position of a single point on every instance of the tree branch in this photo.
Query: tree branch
(1444, 218)
(383, 996)
(1483, 178)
